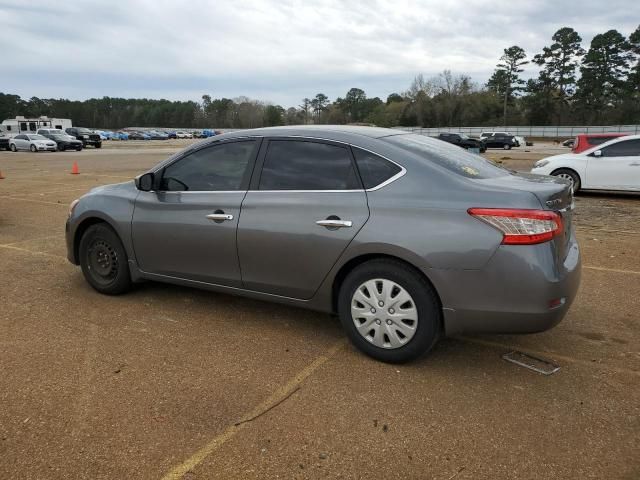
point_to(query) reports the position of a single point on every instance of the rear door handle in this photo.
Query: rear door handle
(335, 223)
(217, 217)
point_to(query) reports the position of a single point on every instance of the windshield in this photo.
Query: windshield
(451, 157)
(37, 137)
(464, 137)
(84, 130)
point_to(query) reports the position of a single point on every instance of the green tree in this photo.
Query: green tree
(559, 62)
(273, 115)
(305, 107)
(353, 103)
(603, 73)
(509, 79)
(318, 105)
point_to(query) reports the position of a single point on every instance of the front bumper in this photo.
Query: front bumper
(68, 236)
(512, 293)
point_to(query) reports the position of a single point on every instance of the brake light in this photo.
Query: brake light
(521, 227)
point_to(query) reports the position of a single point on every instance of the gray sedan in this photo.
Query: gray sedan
(405, 237)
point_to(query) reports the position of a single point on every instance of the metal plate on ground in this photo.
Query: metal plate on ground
(536, 364)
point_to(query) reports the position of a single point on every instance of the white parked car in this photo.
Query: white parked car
(181, 134)
(33, 142)
(613, 165)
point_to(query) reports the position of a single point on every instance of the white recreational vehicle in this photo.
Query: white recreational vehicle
(20, 124)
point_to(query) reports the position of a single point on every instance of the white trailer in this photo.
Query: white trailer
(20, 124)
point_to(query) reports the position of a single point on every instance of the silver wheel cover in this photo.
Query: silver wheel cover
(384, 313)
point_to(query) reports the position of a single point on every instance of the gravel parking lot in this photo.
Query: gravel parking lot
(169, 382)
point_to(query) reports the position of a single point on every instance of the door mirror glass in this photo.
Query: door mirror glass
(145, 182)
(597, 153)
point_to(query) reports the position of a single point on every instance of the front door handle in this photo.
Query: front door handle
(219, 217)
(330, 223)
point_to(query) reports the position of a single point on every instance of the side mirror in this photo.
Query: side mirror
(597, 153)
(145, 182)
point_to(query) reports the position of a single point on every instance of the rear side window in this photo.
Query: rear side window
(222, 167)
(628, 148)
(599, 140)
(374, 169)
(449, 156)
(302, 165)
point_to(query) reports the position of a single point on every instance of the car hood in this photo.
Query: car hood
(117, 189)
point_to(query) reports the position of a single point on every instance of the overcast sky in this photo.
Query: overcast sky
(273, 50)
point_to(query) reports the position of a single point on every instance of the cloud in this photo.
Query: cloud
(273, 50)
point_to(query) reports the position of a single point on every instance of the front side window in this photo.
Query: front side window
(222, 167)
(304, 165)
(627, 148)
(374, 170)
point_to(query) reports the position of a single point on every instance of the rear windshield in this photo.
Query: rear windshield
(449, 156)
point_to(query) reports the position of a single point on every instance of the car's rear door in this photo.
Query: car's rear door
(617, 169)
(187, 227)
(301, 212)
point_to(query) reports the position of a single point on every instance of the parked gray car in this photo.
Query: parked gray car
(405, 237)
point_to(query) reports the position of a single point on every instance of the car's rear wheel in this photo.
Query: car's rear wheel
(506, 146)
(13, 147)
(570, 175)
(79, 148)
(389, 311)
(104, 260)
(33, 148)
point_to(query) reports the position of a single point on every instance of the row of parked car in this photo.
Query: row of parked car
(487, 140)
(77, 138)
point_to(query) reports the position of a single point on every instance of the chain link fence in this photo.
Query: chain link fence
(528, 131)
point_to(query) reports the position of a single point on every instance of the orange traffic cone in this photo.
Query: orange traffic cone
(1, 176)
(75, 170)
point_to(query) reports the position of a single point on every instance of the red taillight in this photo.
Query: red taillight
(521, 227)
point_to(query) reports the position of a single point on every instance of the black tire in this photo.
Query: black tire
(104, 261)
(98, 145)
(61, 147)
(424, 296)
(79, 148)
(13, 147)
(506, 146)
(566, 172)
(33, 148)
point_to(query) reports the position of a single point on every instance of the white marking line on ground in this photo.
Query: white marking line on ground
(613, 270)
(65, 204)
(10, 247)
(180, 470)
(553, 355)
(29, 240)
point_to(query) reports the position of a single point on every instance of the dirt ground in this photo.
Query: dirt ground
(169, 382)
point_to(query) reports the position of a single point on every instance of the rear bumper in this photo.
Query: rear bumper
(513, 293)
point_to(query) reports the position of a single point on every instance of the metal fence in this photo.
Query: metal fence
(528, 131)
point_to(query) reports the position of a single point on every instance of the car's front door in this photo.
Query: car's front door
(300, 214)
(187, 227)
(22, 142)
(618, 168)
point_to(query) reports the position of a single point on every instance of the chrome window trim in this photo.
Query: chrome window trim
(388, 181)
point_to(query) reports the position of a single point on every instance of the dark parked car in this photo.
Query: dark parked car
(405, 237)
(171, 135)
(139, 136)
(86, 136)
(4, 142)
(569, 142)
(501, 141)
(63, 141)
(463, 141)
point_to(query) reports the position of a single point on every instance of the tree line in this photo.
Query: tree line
(574, 85)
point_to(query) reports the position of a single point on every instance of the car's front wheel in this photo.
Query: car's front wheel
(506, 146)
(33, 148)
(570, 175)
(61, 147)
(104, 261)
(389, 311)
(13, 147)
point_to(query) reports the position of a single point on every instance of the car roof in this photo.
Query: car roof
(618, 139)
(596, 135)
(329, 132)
